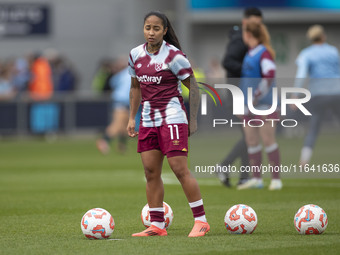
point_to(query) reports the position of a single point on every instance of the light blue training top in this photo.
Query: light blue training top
(319, 63)
(120, 84)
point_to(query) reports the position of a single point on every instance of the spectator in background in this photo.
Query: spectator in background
(66, 78)
(21, 74)
(120, 85)
(232, 62)
(44, 115)
(320, 63)
(7, 90)
(40, 85)
(101, 79)
(63, 74)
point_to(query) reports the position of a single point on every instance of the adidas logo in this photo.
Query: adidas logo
(203, 229)
(151, 233)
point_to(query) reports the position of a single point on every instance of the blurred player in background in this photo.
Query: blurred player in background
(232, 62)
(320, 63)
(157, 69)
(120, 86)
(258, 72)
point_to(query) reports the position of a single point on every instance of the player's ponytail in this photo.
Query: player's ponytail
(170, 36)
(260, 32)
(266, 40)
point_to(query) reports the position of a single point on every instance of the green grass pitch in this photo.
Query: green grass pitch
(46, 188)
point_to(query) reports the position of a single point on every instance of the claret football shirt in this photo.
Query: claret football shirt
(160, 75)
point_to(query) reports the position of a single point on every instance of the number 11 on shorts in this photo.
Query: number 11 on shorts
(172, 133)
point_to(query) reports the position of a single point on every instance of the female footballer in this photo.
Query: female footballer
(258, 72)
(157, 69)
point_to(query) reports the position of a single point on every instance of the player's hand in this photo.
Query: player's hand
(192, 127)
(131, 128)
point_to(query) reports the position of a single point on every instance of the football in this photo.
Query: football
(310, 220)
(168, 215)
(97, 223)
(240, 219)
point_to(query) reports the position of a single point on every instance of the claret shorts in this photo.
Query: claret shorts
(171, 139)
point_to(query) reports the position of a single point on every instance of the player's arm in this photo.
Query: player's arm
(301, 75)
(135, 99)
(194, 100)
(268, 70)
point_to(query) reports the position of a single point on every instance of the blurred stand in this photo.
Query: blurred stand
(63, 113)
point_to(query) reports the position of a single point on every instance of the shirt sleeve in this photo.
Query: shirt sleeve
(302, 66)
(302, 70)
(131, 67)
(268, 69)
(180, 66)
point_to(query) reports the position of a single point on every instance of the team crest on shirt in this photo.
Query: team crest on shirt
(158, 66)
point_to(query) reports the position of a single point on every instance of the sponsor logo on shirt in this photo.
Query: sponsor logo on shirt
(146, 78)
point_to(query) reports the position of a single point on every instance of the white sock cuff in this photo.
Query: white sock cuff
(196, 203)
(156, 209)
(271, 148)
(158, 224)
(254, 149)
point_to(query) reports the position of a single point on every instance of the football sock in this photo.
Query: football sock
(157, 217)
(197, 209)
(274, 158)
(255, 159)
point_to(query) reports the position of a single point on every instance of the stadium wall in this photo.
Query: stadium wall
(86, 31)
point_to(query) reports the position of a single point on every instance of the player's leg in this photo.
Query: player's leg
(239, 150)
(103, 143)
(152, 162)
(115, 128)
(174, 143)
(244, 175)
(122, 122)
(318, 107)
(268, 136)
(179, 166)
(255, 158)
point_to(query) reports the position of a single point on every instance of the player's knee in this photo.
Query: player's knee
(151, 173)
(268, 142)
(181, 174)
